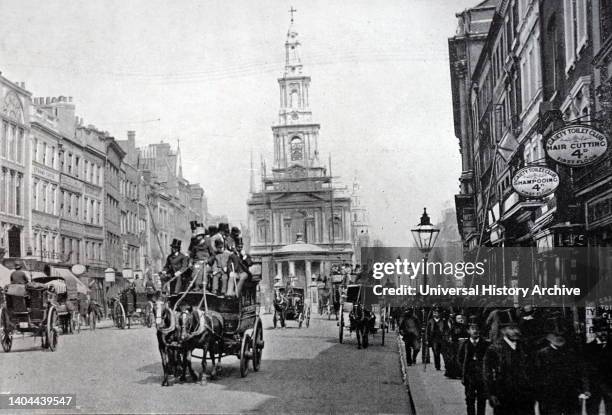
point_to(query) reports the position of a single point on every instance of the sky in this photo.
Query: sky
(205, 73)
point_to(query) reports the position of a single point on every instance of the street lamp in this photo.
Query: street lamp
(425, 236)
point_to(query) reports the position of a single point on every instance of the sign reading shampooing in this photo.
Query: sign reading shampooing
(576, 145)
(535, 181)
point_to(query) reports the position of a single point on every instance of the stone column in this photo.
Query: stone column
(308, 271)
(279, 269)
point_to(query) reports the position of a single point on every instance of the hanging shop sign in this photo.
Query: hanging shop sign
(576, 145)
(535, 181)
(109, 275)
(78, 269)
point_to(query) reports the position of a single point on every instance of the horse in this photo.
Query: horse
(199, 330)
(165, 323)
(362, 321)
(281, 304)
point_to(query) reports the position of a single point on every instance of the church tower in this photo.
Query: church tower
(296, 137)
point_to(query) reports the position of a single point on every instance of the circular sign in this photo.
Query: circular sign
(576, 145)
(535, 181)
(78, 269)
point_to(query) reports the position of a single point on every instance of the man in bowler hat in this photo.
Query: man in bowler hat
(558, 376)
(436, 333)
(177, 264)
(470, 357)
(506, 370)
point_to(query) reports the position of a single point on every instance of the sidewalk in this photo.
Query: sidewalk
(431, 392)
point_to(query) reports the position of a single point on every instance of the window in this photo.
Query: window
(76, 166)
(86, 170)
(4, 143)
(43, 200)
(19, 158)
(69, 164)
(53, 195)
(44, 154)
(52, 157)
(575, 19)
(18, 180)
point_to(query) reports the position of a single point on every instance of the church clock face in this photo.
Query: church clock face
(297, 149)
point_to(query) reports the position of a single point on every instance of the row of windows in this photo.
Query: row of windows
(11, 195)
(128, 189)
(50, 245)
(129, 223)
(11, 142)
(112, 207)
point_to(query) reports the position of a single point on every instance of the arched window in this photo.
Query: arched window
(297, 149)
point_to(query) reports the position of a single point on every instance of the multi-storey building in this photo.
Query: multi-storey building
(542, 66)
(45, 184)
(14, 168)
(94, 160)
(130, 212)
(113, 204)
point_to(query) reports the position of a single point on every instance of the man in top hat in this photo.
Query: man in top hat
(506, 370)
(177, 265)
(470, 357)
(436, 333)
(598, 357)
(200, 254)
(238, 268)
(19, 276)
(559, 378)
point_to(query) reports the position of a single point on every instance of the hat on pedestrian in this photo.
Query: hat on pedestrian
(556, 326)
(176, 243)
(223, 227)
(506, 318)
(473, 321)
(212, 229)
(18, 266)
(599, 324)
(235, 231)
(193, 224)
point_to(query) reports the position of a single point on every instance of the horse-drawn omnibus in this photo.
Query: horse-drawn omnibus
(362, 313)
(30, 308)
(220, 325)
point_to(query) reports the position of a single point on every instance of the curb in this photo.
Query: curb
(404, 370)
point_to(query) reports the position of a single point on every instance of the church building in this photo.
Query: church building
(300, 225)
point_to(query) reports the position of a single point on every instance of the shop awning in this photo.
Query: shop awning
(72, 282)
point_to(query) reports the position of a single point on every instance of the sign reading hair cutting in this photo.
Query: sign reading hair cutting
(535, 181)
(577, 145)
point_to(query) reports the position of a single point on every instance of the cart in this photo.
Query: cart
(70, 293)
(133, 305)
(363, 294)
(297, 309)
(30, 308)
(242, 326)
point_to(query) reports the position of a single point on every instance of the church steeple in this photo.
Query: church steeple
(295, 134)
(293, 63)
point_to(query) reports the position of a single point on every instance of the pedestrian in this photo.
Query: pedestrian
(458, 333)
(199, 254)
(507, 375)
(558, 375)
(470, 357)
(19, 276)
(177, 265)
(598, 358)
(436, 332)
(410, 328)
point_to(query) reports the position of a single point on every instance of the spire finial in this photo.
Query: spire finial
(292, 10)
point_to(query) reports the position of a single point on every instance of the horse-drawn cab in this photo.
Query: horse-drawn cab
(297, 308)
(30, 308)
(71, 293)
(361, 309)
(134, 304)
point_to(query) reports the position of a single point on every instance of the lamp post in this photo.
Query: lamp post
(425, 236)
